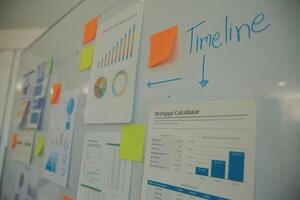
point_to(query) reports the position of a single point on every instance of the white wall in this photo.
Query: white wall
(6, 62)
(6, 59)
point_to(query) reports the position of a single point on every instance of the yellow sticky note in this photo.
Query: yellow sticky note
(132, 142)
(162, 45)
(86, 57)
(39, 146)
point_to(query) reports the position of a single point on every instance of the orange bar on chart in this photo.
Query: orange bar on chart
(162, 46)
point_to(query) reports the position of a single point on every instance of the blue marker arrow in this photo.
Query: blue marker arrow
(150, 84)
(204, 81)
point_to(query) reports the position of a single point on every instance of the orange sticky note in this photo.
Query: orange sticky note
(162, 45)
(14, 138)
(67, 198)
(55, 93)
(90, 30)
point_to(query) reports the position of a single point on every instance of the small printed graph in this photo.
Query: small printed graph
(91, 174)
(122, 50)
(91, 167)
(218, 168)
(100, 87)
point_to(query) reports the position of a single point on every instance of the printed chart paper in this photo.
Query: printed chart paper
(26, 185)
(201, 151)
(112, 78)
(39, 96)
(24, 147)
(59, 138)
(103, 175)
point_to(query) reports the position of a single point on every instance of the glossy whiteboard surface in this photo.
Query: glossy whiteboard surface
(263, 66)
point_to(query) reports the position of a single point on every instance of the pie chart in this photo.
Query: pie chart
(100, 87)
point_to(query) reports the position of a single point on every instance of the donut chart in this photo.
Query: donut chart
(100, 87)
(119, 83)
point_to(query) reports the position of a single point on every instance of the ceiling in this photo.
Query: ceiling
(28, 14)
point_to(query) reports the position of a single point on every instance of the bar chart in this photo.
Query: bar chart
(122, 50)
(235, 169)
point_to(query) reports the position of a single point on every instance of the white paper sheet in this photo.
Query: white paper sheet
(102, 175)
(26, 186)
(112, 78)
(24, 147)
(201, 151)
(39, 96)
(59, 138)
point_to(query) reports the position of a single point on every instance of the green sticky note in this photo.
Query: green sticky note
(86, 57)
(132, 142)
(49, 66)
(39, 146)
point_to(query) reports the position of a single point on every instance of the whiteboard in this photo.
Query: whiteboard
(251, 68)
(264, 67)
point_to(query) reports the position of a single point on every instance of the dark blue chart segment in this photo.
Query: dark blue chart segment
(236, 166)
(201, 171)
(185, 191)
(218, 169)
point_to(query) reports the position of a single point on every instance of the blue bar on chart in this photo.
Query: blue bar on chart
(116, 56)
(132, 41)
(121, 44)
(113, 55)
(201, 171)
(105, 60)
(128, 46)
(218, 169)
(124, 46)
(102, 62)
(236, 166)
(108, 60)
